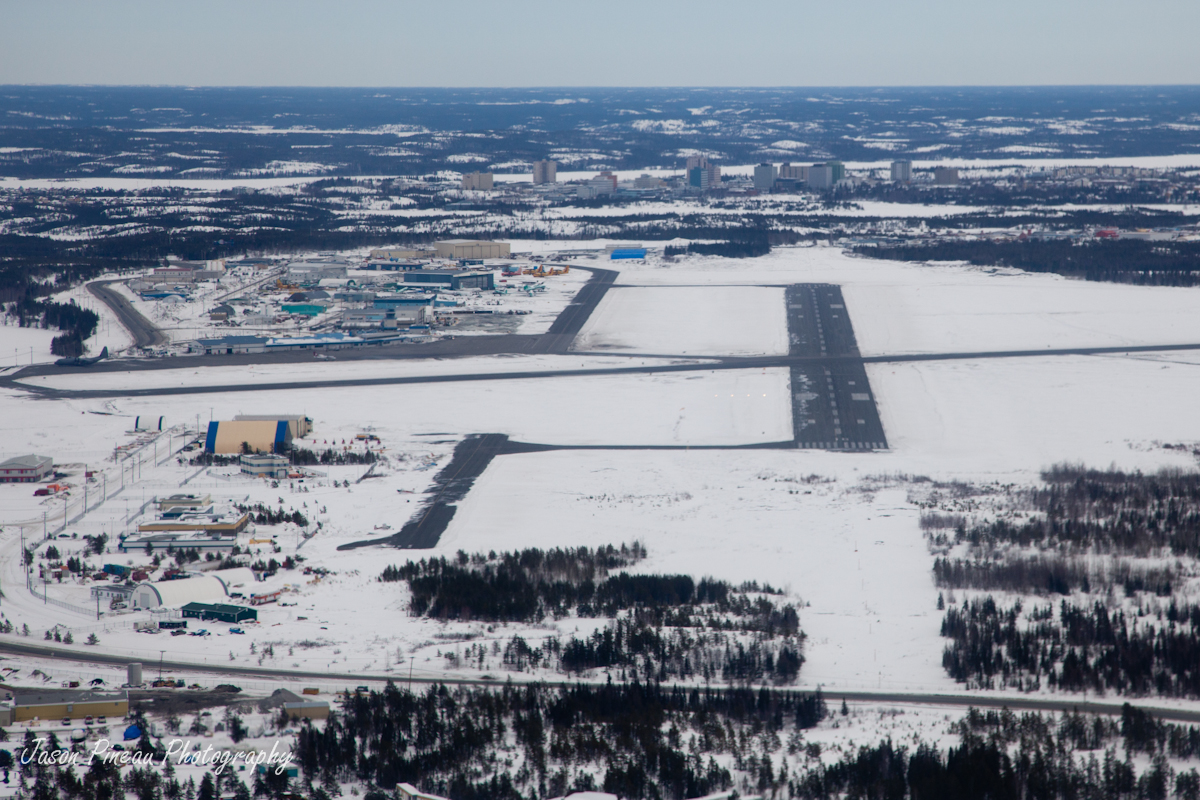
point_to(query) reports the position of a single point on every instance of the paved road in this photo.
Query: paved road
(1016, 702)
(145, 333)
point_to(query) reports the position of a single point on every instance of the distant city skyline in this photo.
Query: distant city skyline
(466, 43)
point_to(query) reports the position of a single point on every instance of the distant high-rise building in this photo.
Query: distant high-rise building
(764, 177)
(945, 176)
(604, 183)
(839, 170)
(477, 181)
(545, 172)
(820, 176)
(701, 174)
(902, 171)
(647, 181)
(788, 172)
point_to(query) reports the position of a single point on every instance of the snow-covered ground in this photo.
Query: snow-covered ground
(22, 346)
(738, 320)
(917, 308)
(837, 530)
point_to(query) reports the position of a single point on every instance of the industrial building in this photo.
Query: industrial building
(219, 612)
(304, 309)
(477, 181)
(264, 465)
(229, 345)
(214, 586)
(298, 424)
(307, 709)
(902, 170)
(26, 469)
(56, 704)
(204, 521)
(455, 279)
(545, 172)
(180, 540)
(627, 253)
(399, 254)
(311, 272)
(184, 501)
(403, 300)
(112, 592)
(175, 276)
(254, 436)
(471, 248)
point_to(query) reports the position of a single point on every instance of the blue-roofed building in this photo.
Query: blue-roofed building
(628, 253)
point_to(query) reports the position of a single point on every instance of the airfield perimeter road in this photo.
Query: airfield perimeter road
(145, 333)
(1015, 702)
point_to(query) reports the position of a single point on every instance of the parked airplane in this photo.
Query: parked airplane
(79, 361)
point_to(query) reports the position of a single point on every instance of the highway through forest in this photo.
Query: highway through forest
(1039, 703)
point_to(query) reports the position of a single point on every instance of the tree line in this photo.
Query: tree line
(1133, 261)
(512, 743)
(1082, 649)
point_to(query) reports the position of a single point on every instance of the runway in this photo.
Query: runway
(833, 407)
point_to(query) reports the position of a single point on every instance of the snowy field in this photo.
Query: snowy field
(838, 531)
(914, 308)
(23, 346)
(686, 409)
(739, 320)
(850, 551)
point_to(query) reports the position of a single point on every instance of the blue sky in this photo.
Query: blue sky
(612, 43)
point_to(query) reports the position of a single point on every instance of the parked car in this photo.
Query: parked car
(237, 630)
(102, 720)
(178, 632)
(66, 721)
(89, 720)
